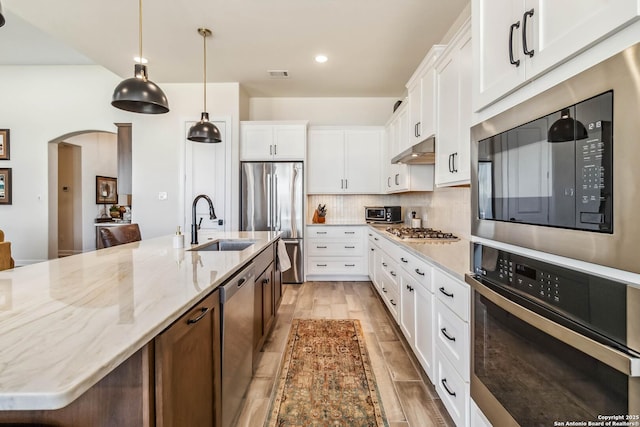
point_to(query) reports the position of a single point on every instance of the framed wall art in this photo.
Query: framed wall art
(4, 144)
(106, 190)
(5, 186)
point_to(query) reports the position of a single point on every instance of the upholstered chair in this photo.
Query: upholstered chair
(114, 236)
(6, 261)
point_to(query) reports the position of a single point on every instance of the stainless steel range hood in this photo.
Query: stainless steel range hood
(423, 153)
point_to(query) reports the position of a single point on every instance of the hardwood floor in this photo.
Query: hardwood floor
(408, 397)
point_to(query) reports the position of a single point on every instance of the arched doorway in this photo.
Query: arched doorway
(75, 159)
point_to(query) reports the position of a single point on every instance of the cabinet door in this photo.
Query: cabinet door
(363, 160)
(268, 312)
(188, 368)
(402, 131)
(256, 142)
(454, 113)
(427, 126)
(325, 165)
(424, 343)
(415, 113)
(289, 142)
(408, 307)
(562, 29)
(496, 75)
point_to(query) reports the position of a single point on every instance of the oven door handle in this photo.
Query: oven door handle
(618, 360)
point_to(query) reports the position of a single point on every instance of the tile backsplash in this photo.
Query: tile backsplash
(447, 208)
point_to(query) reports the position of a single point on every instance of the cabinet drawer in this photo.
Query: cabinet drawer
(391, 298)
(419, 270)
(332, 232)
(452, 339)
(331, 248)
(319, 265)
(453, 391)
(452, 292)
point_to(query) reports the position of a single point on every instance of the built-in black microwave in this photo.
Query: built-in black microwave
(553, 171)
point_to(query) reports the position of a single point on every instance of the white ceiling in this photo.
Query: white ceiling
(373, 45)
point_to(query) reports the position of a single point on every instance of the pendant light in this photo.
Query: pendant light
(204, 130)
(1, 16)
(566, 129)
(138, 94)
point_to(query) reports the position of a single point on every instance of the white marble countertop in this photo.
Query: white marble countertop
(452, 257)
(67, 323)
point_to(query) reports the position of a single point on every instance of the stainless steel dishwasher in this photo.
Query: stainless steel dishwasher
(236, 299)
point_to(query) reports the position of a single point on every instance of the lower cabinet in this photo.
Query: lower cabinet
(265, 300)
(432, 310)
(187, 358)
(336, 252)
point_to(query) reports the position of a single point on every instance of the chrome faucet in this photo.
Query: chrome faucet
(195, 227)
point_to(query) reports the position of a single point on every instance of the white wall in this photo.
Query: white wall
(324, 111)
(41, 103)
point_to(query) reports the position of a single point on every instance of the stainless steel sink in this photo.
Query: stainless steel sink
(225, 245)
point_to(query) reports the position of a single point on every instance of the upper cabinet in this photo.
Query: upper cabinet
(422, 99)
(272, 141)
(453, 111)
(344, 160)
(515, 41)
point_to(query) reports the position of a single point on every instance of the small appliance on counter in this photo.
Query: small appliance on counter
(383, 214)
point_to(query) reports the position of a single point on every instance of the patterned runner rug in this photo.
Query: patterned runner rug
(326, 378)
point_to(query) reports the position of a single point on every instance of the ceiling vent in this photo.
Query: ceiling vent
(278, 74)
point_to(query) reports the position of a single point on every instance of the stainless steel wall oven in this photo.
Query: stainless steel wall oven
(550, 344)
(559, 173)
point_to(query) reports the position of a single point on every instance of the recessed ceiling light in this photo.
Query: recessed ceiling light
(321, 59)
(137, 60)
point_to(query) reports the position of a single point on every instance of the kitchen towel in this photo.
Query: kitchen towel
(283, 258)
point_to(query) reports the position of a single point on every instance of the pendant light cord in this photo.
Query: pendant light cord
(140, 30)
(204, 80)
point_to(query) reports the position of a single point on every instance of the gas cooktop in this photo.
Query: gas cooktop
(421, 234)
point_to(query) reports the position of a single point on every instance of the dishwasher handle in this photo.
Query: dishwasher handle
(237, 282)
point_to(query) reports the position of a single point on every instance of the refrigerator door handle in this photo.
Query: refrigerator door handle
(277, 225)
(269, 200)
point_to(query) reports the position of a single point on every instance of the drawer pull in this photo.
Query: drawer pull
(384, 290)
(349, 265)
(203, 312)
(392, 302)
(321, 247)
(375, 238)
(372, 249)
(384, 264)
(392, 273)
(321, 232)
(446, 335)
(445, 292)
(321, 265)
(444, 384)
(349, 247)
(410, 288)
(403, 260)
(419, 272)
(352, 232)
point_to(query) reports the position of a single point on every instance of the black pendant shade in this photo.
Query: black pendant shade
(1, 16)
(139, 94)
(204, 130)
(566, 129)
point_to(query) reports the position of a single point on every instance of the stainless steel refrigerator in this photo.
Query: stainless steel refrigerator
(271, 199)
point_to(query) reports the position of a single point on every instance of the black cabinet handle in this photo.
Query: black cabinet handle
(511, 60)
(375, 238)
(419, 272)
(445, 292)
(446, 335)
(389, 181)
(265, 281)
(203, 312)
(321, 232)
(453, 162)
(528, 14)
(349, 265)
(444, 384)
(352, 232)
(321, 247)
(410, 288)
(392, 302)
(403, 260)
(349, 247)
(392, 273)
(384, 290)
(372, 249)
(384, 264)
(450, 163)
(321, 265)
(396, 179)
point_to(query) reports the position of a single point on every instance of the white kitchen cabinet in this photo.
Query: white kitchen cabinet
(345, 160)
(422, 99)
(556, 31)
(453, 113)
(336, 252)
(272, 141)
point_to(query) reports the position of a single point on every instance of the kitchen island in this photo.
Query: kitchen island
(68, 323)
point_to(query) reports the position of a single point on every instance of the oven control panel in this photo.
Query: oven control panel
(596, 302)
